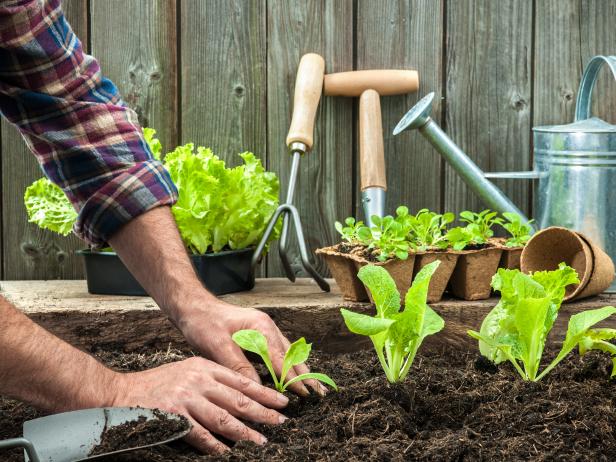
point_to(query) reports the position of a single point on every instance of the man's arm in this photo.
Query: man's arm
(43, 370)
(90, 144)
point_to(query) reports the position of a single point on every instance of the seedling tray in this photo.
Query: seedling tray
(222, 272)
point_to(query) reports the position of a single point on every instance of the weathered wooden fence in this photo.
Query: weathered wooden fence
(221, 72)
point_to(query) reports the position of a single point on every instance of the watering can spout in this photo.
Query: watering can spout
(418, 117)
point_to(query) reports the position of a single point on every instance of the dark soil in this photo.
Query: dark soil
(371, 255)
(452, 407)
(140, 432)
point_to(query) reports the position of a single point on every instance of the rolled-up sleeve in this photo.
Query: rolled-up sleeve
(85, 138)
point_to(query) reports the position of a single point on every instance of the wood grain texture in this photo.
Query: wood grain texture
(488, 86)
(223, 68)
(371, 149)
(29, 252)
(405, 34)
(300, 310)
(135, 43)
(325, 186)
(568, 34)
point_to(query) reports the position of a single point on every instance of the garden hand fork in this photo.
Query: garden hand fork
(308, 87)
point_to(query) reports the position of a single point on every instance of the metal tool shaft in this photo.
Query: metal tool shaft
(472, 175)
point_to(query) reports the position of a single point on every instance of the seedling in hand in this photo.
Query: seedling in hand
(518, 229)
(396, 335)
(255, 342)
(517, 328)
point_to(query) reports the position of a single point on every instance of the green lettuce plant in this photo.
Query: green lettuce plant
(477, 231)
(388, 236)
(428, 229)
(350, 232)
(396, 334)
(519, 230)
(298, 353)
(217, 207)
(517, 328)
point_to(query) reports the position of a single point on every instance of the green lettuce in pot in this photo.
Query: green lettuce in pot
(218, 208)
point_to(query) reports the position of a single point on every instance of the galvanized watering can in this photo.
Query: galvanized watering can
(574, 167)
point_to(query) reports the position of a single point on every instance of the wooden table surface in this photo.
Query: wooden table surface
(300, 309)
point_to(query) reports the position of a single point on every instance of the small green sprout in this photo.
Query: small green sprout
(255, 342)
(518, 229)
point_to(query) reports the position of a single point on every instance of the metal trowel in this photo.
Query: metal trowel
(71, 436)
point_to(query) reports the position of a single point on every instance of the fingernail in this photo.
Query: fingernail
(304, 391)
(282, 418)
(282, 399)
(263, 439)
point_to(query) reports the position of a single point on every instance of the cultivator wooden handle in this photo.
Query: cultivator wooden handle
(384, 81)
(371, 150)
(308, 88)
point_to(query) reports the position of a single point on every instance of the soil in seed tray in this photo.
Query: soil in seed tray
(139, 432)
(452, 407)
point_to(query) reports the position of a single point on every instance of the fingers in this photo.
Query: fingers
(203, 440)
(221, 422)
(263, 395)
(242, 406)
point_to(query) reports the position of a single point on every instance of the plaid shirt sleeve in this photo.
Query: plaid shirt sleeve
(86, 139)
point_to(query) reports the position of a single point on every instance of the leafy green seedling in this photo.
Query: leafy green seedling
(255, 342)
(396, 335)
(517, 328)
(518, 229)
(388, 236)
(427, 229)
(349, 233)
(477, 231)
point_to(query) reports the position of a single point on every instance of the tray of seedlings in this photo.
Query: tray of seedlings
(221, 214)
(515, 396)
(469, 255)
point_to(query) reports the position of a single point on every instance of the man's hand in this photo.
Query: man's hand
(209, 327)
(212, 397)
(151, 248)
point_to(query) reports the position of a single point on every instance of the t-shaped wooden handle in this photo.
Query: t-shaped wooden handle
(371, 150)
(384, 81)
(308, 88)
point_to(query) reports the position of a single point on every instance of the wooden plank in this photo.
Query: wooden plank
(324, 191)
(28, 252)
(488, 91)
(406, 34)
(224, 90)
(300, 309)
(135, 43)
(567, 34)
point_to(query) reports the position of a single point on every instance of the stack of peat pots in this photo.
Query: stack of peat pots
(468, 273)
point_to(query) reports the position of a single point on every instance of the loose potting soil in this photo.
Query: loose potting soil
(452, 407)
(139, 432)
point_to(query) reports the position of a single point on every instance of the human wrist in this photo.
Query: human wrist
(189, 304)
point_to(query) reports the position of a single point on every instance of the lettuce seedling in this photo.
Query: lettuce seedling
(477, 231)
(255, 342)
(396, 335)
(427, 229)
(350, 232)
(518, 229)
(517, 328)
(388, 236)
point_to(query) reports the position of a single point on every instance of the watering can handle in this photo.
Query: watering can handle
(584, 98)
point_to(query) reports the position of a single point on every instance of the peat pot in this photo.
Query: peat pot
(221, 272)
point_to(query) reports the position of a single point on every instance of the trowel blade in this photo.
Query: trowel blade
(71, 436)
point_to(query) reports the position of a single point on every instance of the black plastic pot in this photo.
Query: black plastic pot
(221, 273)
